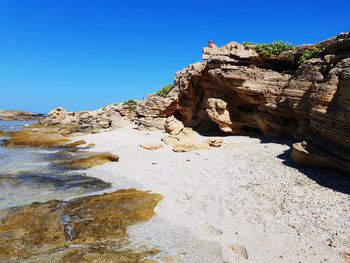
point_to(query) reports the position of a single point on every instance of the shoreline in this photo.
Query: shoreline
(39, 174)
(227, 203)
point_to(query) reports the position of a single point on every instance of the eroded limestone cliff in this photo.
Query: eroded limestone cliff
(237, 91)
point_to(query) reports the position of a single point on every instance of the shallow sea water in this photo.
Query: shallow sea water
(26, 175)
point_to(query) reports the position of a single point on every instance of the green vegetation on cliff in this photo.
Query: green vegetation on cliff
(163, 92)
(131, 103)
(271, 49)
(307, 54)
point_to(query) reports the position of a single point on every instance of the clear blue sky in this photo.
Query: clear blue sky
(84, 54)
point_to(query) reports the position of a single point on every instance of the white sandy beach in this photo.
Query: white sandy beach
(241, 194)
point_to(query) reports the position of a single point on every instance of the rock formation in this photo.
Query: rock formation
(84, 163)
(85, 229)
(109, 117)
(151, 146)
(184, 139)
(40, 136)
(237, 91)
(173, 126)
(13, 115)
(153, 110)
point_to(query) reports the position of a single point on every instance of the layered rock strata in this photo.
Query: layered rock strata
(237, 91)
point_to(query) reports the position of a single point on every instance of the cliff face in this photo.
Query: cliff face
(237, 91)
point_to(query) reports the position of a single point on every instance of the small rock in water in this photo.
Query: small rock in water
(88, 162)
(75, 144)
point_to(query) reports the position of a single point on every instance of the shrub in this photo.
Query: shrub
(248, 45)
(307, 54)
(325, 68)
(163, 92)
(131, 103)
(273, 49)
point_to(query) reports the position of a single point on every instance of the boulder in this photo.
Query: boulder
(156, 106)
(185, 141)
(150, 123)
(173, 126)
(218, 113)
(56, 116)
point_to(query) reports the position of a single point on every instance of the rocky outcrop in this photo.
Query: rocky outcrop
(86, 229)
(237, 91)
(173, 126)
(13, 115)
(40, 136)
(184, 139)
(84, 163)
(109, 117)
(153, 110)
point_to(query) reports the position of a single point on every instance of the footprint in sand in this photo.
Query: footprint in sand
(211, 230)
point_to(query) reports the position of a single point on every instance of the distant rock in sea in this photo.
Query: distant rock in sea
(14, 115)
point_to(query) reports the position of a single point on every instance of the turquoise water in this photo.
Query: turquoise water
(27, 175)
